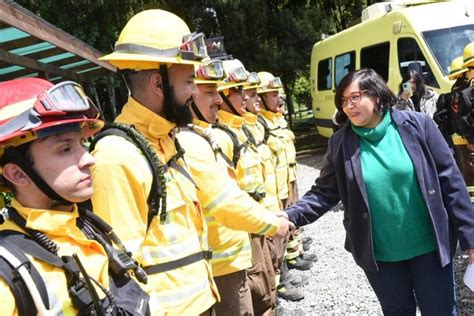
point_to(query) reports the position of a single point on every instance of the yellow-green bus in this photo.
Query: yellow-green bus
(391, 36)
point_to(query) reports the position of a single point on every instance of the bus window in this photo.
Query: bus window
(325, 74)
(377, 58)
(447, 44)
(344, 64)
(410, 55)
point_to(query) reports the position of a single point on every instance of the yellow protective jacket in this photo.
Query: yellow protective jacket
(60, 227)
(271, 200)
(230, 213)
(289, 138)
(277, 144)
(122, 180)
(249, 169)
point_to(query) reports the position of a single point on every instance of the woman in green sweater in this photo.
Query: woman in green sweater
(406, 204)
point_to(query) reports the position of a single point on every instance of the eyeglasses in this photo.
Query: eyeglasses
(239, 91)
(354, 97)
(213, 69)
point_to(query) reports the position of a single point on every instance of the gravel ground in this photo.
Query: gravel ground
(337, 286)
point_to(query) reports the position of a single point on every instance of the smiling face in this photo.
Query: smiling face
(238, 99)
(208, 101)
(253, 102)
(360, 108)
(64, 163)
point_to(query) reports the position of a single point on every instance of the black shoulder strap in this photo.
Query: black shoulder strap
(266, 129)
(235, 141)
(13, 242)
(173, 162)
(157, 195)
(215, 147)
(249, 135)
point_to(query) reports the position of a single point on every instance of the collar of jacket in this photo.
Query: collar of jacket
(230, 119)
(150, 124)
(201, 123)
(268, 115)
(51, 222)
(250, 118)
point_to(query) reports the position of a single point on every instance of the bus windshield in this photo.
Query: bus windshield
(447, 44)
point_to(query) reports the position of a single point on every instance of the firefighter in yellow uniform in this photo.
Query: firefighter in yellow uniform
(239, 148)
(268, 91)
(230, 212)
(45, 165)
(156, 53)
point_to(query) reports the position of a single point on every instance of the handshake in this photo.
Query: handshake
(285, 224)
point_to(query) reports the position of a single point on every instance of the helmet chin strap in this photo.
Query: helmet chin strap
(197, 112)
(264, 103)
(13, 156)
(229, 104)
(166, 86)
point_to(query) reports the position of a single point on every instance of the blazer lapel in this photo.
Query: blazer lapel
(352, 142)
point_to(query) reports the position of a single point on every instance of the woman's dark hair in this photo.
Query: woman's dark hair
(369, 80)
(420, 86)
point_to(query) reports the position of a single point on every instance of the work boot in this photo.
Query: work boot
(299, 264)
(289, 292)
(307, 240)
(296, 280)
(310, 257)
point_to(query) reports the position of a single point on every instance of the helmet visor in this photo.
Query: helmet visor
(211, 70)
(194, 43)
(237, 75)
(275, 83)
(253, 78)
(66, 98)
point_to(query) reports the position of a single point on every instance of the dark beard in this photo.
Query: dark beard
(180, 114)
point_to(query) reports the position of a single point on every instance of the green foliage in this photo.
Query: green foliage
(270, 35)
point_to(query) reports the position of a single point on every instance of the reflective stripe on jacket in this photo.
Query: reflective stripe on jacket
(230, 212)
(289, 139)
(271, 200)
(122, 182)
(250, 166)
(277, 145)
(60, 227)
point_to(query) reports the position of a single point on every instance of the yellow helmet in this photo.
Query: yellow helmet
(268, 82)
(155, 37)
(235, 75)
(210, 72)
(468, 55)
(456, 68)
(252, 81)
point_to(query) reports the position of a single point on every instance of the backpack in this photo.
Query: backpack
(464, 116)
(125, 296)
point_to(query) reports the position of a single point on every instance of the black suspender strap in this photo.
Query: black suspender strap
(173, 163)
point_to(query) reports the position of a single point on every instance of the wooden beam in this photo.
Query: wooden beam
(53, 51)
(18, 43)
(66, 61)
(4, 25)
(24, 20)
(34, 64)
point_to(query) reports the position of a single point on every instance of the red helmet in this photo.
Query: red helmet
(32, 108)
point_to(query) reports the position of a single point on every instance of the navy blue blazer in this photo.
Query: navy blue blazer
(441, 183)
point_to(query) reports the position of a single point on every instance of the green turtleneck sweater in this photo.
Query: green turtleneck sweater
(401, 226)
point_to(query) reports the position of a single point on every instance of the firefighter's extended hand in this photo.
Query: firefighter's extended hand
(284, 226)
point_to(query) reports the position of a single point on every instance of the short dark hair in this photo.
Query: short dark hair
(369, 80)
(25, 151)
